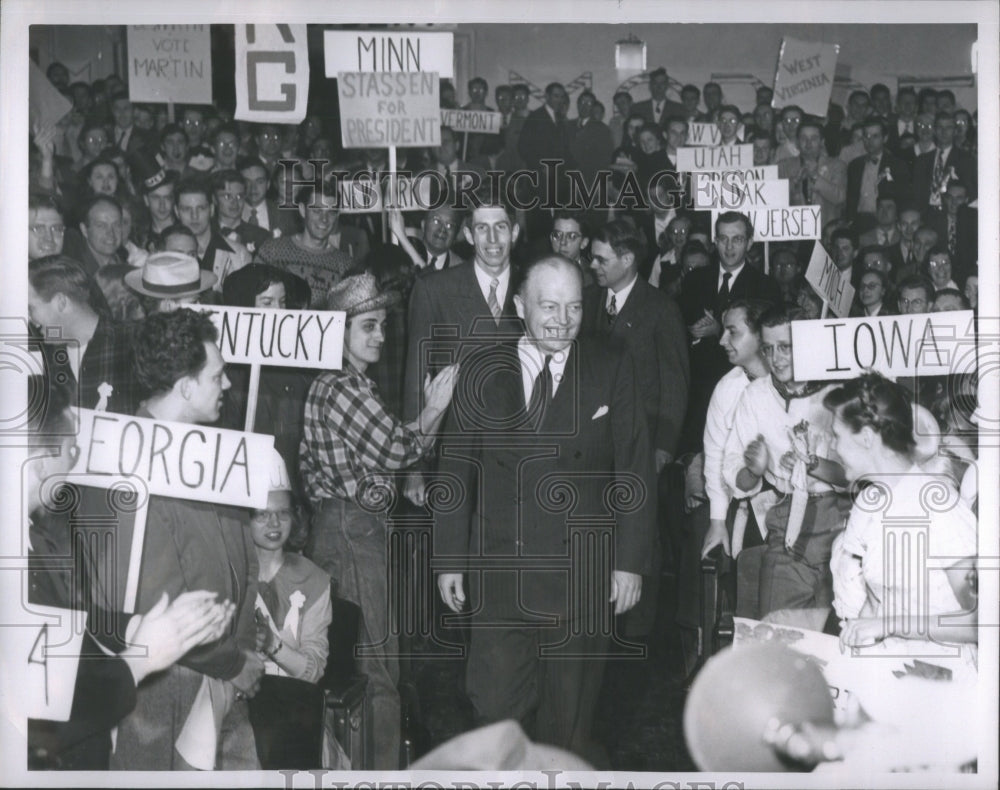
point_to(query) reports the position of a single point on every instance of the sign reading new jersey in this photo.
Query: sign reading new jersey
(170, 63)
(381, 51)
(805, 75)
(180, 460)
(921, 344)
(272, 73)
(379, 110)
(782, 224)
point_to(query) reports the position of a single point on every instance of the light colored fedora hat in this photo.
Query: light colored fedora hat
(170, 275)
(358, 294)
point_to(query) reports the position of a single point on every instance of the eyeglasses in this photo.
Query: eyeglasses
(768, 350)
(262, 517)
(447, 224)
(230, 196)
(47, 230)
(870, 286)
(560, 236)
(905, 303)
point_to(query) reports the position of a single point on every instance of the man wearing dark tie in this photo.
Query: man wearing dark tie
(934, 170)
(645, 323)
(705, 295)
(658, 108)
(875, 172)
(905, 119)
(519, 556)
(438, 231)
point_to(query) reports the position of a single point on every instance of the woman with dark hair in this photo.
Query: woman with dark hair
(282, 391)
(882, 591)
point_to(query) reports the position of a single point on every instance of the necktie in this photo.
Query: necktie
(723, 300)
(935, 196)
(910, 257)
(253, 218)
(658, 109)
(541, 393)
(882, 238)
(612, 309)
(952, 236)
(492, 302)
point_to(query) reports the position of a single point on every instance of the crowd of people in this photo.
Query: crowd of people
(507, 348)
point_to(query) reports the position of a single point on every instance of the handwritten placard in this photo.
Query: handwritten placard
(709, 134)
(479, 121)
(758, 173)
(781, 224)
(40, 663)
(366, 196)
(379, 110)
(733, 192)
(832, 284)
(179, 460)
(284, 338)
(170, 63)
(272, 73)
(398, 51)
(805, 75)
(924, 344)
(721, 157)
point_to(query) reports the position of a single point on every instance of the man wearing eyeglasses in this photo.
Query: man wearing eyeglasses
(438, 232)
(783, 436)
(229, 196)
(915, 295)
(570, 236)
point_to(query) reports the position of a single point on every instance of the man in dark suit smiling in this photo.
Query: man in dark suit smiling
(554, 521)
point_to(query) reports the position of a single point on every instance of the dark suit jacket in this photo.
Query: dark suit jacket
(671, 109)
(454, 259)
(591, 147)
(897, 168)
(649, 326)
(967, 232)
(543, 138)
(447, 308)
(523, 487)
(963, 163)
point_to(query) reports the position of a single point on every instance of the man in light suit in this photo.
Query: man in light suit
(658, 108)
(559, 415)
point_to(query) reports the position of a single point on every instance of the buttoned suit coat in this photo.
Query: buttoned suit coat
(527, 495)
(963, 163)
(650, 327)
(446, 308)
(898, 169)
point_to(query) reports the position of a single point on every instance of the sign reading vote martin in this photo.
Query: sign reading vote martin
(170, 63)
(398, 51)
(379, 110)
(805, 75)
(284, 338)
(922, 344)
(272, 73)
(175, 459)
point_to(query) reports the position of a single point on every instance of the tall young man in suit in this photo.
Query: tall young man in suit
(658, 108)
(557, 415)
(874, 173)
(469, 300)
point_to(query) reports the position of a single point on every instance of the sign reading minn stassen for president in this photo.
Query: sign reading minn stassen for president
(170, 63)
(383, 109)
(180, 460)
(922, 344)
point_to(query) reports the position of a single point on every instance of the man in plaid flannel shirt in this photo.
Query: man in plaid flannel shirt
(350, 447)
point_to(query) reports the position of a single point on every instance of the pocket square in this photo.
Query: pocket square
(600, 413)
